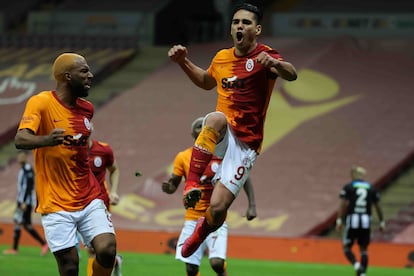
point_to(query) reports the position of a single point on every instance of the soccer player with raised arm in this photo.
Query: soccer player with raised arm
(244, 76)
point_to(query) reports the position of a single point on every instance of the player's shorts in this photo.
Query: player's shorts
(357, 228)
(61, 227)
(215, 243)
(237, 162)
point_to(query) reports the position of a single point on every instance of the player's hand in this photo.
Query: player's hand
(55, 137)
(168, 187)
(266, 60)
(178, 53)
(113, 198)
(339, 225)
(251, 213)
(382, 226)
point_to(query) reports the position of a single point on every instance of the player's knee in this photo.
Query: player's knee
(217, 215)
(217, 265)
(68, 261)
(216, 120)
(105, 250)
(28, 227)
(192, 269)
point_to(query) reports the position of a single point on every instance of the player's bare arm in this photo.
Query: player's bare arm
(283, 69)
(26, 139)
(114, 182)
(171, 185)
(197, 75)
(341, 215)
(380, 216)
(251, 210)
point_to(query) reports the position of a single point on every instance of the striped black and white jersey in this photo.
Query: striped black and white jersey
(360, 195)
(25, 185)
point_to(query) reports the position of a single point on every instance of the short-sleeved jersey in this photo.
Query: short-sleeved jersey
(244, 89)
(361, 195)
(101, 157)
(64, 180)
(181, 168)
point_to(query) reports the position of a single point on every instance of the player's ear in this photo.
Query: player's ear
(258, 29)
(68, 76)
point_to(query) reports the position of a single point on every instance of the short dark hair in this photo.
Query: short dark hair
(249, 7)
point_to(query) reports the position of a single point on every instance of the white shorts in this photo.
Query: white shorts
(237, 162)
(61, 227)
(215, 243)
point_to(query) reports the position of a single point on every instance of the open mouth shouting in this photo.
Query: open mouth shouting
(239, 37)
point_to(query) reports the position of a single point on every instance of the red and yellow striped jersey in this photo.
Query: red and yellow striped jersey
(101, 157)
(64, 180)
(244, 88)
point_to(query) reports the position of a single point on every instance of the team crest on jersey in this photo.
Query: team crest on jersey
(249, 65)
(214, 167)
(87, 123)
(97, 161)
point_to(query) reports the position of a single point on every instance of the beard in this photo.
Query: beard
(79, 90)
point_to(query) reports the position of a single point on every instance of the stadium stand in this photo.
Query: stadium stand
(14, 12)
(345, 6)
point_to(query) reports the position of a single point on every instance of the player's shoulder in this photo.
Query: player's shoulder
(42, 97)
(185, 152)
(225, 53)
(102, 146)
(85, 103)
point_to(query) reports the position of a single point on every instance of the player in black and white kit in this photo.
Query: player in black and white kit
(26, 201)
(354, 217)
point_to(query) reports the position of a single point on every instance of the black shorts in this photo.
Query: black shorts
(362, 236)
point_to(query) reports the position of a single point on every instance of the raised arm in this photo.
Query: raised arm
(26, 139)
(251, 210)
(283, 69)
(197, 75)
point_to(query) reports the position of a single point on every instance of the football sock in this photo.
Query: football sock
(16, 237)
(349, 255)
(98, 270)
(35, 235)
(89, 266)
(203, 150)
(364, 261)
(224, 269)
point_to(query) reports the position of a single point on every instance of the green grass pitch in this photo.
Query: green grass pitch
(29, 262)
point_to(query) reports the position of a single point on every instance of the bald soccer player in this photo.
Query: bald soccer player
(56, 125)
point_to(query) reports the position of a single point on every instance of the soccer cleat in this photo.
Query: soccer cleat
(117, 269)
(191, 194)
(10, 251)
(201, 231)
(45, 249)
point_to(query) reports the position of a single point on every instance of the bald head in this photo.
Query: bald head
(196, 127)
(65, 62)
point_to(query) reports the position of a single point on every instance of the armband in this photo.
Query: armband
(338, 221)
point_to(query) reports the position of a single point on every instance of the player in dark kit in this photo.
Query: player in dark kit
(354, 217)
